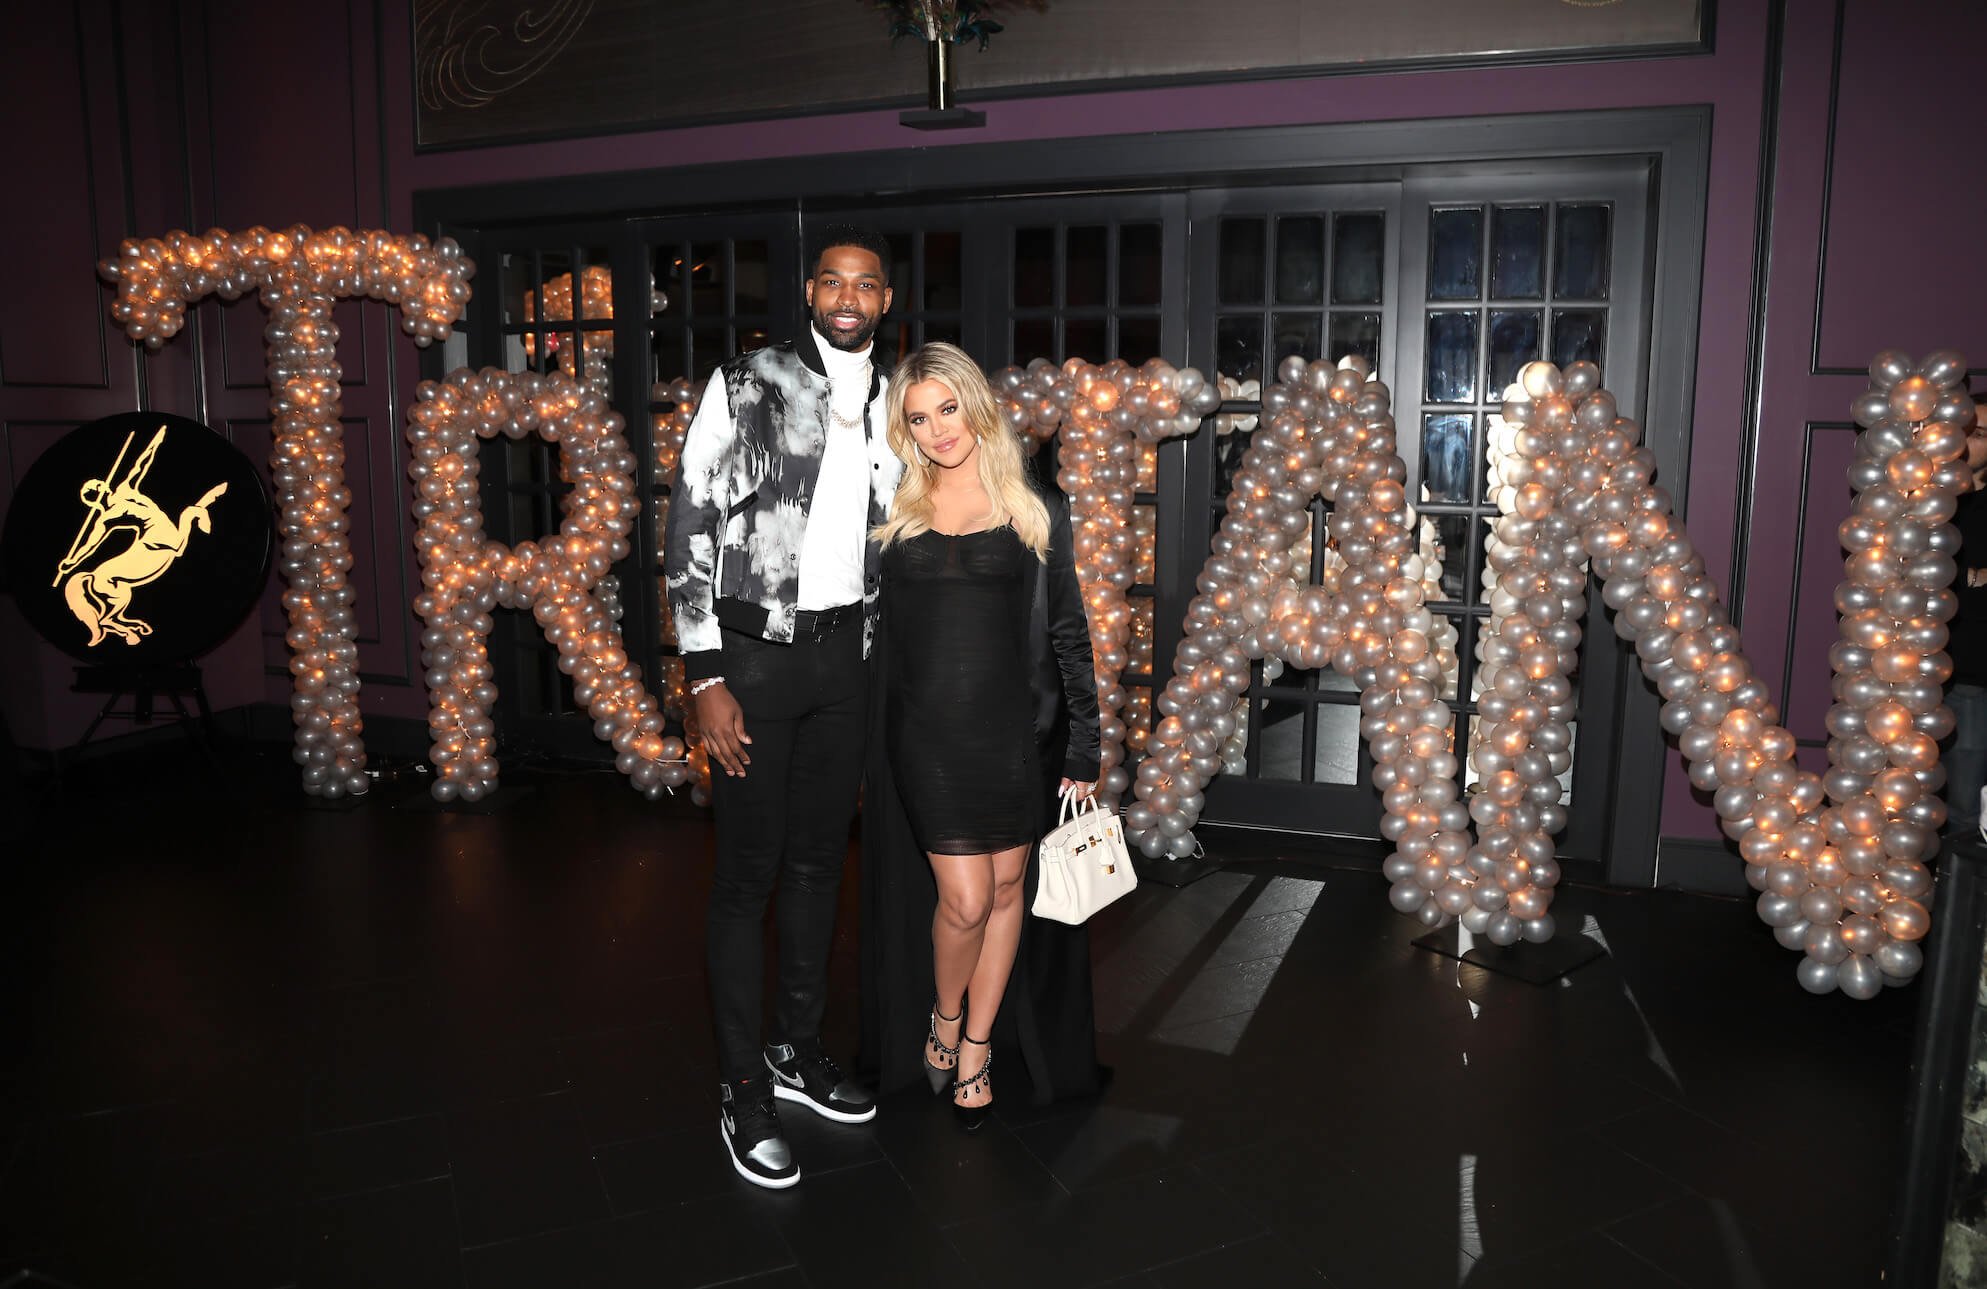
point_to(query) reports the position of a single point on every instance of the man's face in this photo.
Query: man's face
(848, 296)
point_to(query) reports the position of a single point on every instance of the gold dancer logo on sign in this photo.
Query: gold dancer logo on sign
(100, 597)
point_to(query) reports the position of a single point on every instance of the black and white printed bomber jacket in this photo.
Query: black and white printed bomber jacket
(741, 495)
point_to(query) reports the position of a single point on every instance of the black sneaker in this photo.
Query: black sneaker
(816, 1083)
(751, 1128)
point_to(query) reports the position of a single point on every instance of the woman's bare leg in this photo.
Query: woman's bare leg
(958, 928)
(988, 984)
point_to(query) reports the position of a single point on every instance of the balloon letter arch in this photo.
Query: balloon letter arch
(1839, 858)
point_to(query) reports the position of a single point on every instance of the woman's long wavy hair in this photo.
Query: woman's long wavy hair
(1003, 468)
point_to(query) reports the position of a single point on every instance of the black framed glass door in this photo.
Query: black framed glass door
(1547, 262)
(1307, 272)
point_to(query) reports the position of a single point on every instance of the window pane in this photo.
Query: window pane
(750, 261)
(518, 285)
(752, 337)
(1580, 269)
(1298, 334)
(1292, 679)
(1445, 456)
(1455, 254)
(1517, 252)
(1451, 357)
(1452, 539)
(1033, 338)
(1138, 339)
(1034, 267)
(1238, 343)
(1138, 716)
(589, 346)
(1448, 635)
(707, 349)
(939, 330)
(1280, 726)
(1087, 266)
(1085, 338)
(670, 360)
(1228, 450)
(1358, 243)
(1144, 547)
(1578, 334)
(707, 280)
(1139, 644)
(1241, 261)
(903, 270)
(1148, 468)
(893, 340)
(669, 260)
(1300, 260)
(942, 271)
(1355, 333)
(597, 279)
(1476, 561)
(1139, 269)
(1470, 775)
(1302, 554)
(1514, 341)
(1337, 759)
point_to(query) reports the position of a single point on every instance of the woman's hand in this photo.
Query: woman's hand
(1083, 791)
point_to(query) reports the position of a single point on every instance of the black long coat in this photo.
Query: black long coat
(1046, 1028)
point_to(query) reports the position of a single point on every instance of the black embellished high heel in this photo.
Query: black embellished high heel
(972, 1116)
(939, 1076)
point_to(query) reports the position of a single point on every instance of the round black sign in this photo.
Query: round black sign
(138, 540)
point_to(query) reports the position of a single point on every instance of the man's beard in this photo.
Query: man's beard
(847, 342)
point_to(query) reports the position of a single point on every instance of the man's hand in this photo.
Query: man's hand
(723, 723)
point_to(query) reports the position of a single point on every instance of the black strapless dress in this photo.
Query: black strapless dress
(959, 711)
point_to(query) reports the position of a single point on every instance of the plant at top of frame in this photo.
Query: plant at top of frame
(957, 21)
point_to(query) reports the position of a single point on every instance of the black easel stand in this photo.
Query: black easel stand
(144, 686)
(1535, 964)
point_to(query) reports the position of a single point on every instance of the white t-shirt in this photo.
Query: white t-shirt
(831, 552)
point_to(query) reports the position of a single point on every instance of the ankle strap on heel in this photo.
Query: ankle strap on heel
(986, 1067)
(931, 1035)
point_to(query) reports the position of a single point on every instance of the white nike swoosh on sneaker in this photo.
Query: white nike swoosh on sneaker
(791, 1080)
(730, 1128)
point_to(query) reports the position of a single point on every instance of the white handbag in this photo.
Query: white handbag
(1084, 863)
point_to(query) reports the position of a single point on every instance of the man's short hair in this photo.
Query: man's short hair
(858, 235)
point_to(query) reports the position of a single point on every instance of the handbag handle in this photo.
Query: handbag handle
(1072, 805)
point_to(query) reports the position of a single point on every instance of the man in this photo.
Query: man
(773, 586)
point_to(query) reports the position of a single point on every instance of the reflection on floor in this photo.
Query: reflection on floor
(264, 1044)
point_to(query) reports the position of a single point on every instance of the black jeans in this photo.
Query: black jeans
(785, 822)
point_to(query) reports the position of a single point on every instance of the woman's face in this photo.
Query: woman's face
(938, 424)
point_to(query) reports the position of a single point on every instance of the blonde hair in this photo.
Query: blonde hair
(1002, 465)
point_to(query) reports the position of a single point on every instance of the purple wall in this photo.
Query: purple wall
(208, 145)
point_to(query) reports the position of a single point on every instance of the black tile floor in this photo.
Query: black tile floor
(256, 1043)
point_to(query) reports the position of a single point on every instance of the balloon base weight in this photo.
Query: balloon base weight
(1174, 872)
(1535, 964)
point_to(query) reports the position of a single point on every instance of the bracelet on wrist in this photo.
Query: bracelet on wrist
(708, 682)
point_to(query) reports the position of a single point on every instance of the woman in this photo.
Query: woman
(987, 674)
